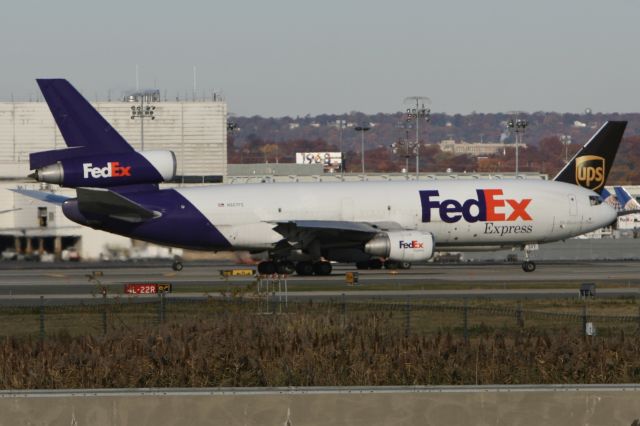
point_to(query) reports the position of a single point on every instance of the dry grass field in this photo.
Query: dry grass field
(244, 343)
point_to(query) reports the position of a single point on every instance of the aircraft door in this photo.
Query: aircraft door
(574, 219)
(573, 205)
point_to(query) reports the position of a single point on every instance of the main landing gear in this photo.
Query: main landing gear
(177, 266)
(287, 267)
(376, 263)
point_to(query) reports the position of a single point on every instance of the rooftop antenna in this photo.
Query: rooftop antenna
(517, 125)
(137, 80)
(420, 111)
(194, 83)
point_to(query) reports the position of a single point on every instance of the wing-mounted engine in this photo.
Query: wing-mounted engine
(105, 169)
(403, 246)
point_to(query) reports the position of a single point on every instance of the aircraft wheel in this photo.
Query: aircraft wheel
(177, 266)
(304, 268)
(375, 264)
(362, 265)
(322, 268)
(285, 267)
(392, 264)
(528, 266)
(267, 268)
(405, 265)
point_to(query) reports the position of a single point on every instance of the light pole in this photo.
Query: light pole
(362, 128)
(566, 141)
(341, 125)
(409, 147)
(141, 112)
(518, 126)
(416, 114)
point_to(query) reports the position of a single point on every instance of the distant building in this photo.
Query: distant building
(195, 131)
(476, 149)
(262, 170)
(331, 161)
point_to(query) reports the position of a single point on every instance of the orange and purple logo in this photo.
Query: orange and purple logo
(414, 244)
(112, 169)
(489, 206)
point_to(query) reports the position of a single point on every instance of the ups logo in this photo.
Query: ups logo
(590, 171)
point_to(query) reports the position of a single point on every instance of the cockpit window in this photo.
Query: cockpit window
(594, 200)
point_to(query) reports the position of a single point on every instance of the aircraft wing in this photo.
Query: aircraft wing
(331, 233)
(334, 225)
(106, 202)
(47, 197)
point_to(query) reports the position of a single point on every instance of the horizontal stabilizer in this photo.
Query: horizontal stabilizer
(9, 210)
(47, 197)
(103, 201)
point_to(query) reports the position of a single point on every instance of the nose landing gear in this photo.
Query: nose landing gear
(528, 265)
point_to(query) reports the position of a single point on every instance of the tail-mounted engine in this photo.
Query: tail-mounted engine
(403, 246)
(107, 169)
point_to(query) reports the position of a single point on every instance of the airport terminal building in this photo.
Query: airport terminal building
(196, 131)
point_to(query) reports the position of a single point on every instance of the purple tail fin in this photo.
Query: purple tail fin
(80, 124)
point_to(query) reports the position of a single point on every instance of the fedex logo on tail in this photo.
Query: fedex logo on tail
(112, 169)
(489, 205)
(411, 244)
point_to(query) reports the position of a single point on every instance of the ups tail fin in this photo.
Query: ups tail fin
(590, 167)
(79, 122)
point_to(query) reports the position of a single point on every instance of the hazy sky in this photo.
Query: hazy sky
(283, 57)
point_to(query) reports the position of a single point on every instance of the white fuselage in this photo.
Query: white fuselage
(469, 213)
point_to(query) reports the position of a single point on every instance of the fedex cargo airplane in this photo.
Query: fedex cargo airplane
(304, 226)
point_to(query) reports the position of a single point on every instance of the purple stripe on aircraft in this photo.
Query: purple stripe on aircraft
(181, 223)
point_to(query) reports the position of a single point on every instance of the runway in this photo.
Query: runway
(70, 283)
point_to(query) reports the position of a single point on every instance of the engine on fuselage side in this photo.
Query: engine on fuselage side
(402, 246)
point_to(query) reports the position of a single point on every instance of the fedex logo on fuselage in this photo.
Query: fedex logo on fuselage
(488, 206)
(112, 169)
(411, 244)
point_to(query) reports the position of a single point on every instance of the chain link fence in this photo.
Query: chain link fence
(466, 317)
